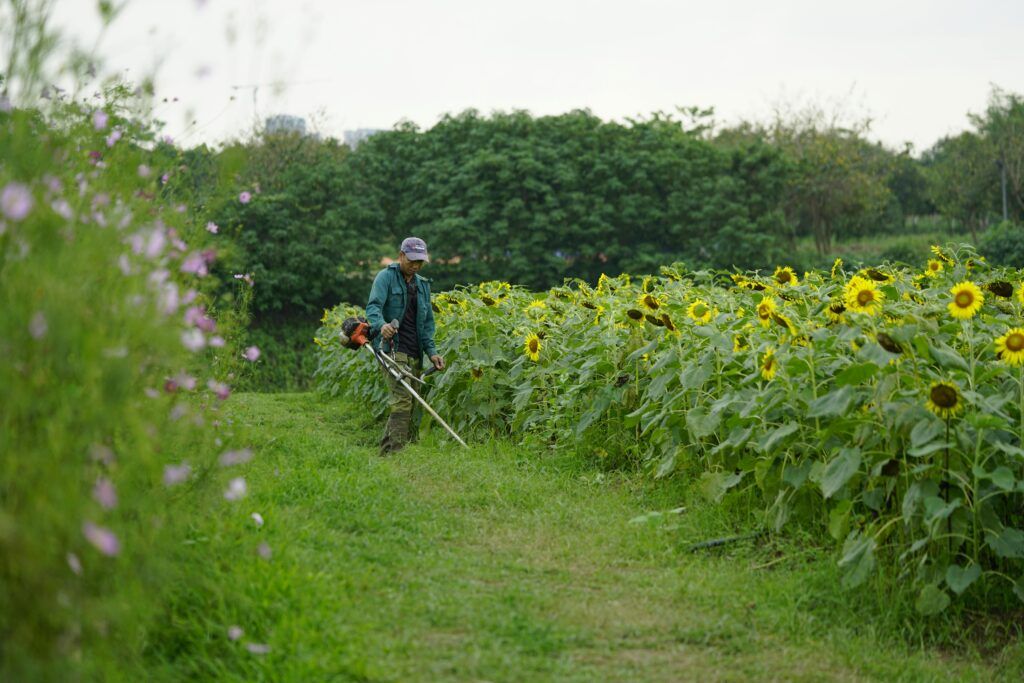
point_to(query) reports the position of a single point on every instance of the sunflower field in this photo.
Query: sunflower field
(884, 407)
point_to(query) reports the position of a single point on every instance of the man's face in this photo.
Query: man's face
(408, 267)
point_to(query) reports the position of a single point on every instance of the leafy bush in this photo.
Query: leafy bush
(112, 379)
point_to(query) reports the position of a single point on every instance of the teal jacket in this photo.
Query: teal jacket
(387, 303)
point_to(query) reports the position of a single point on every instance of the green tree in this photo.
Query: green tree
(962, 179)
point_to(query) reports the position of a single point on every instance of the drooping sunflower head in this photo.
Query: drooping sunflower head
(1000, 288)
(667, 321)
(967, 300)
(934, 267)
(1010, 347)
(784, 322)
(784, 275)
(769, 364)
(635, 314)
(488, 301)
(944, 400)
(764, 311)
(536, 309)
(862, 296)
(532, 346)
(588, 304)
(888, 343)
(477, 373)
(941, 255)
(876, 275)
(648, 301)
(699, 312)
(835, 311)
(739, 343)
(653, 320)
(837, 268)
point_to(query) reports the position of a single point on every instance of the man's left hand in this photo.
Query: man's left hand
(437, 361)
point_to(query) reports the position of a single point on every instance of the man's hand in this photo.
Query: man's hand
(437, 361)
(387, 331)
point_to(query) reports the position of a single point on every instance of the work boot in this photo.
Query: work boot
(396, 433)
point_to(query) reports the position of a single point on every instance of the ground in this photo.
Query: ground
(505, 564)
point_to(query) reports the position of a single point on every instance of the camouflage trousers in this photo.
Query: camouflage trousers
(400, 429)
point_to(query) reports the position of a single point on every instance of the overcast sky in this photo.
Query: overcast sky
(917, 67)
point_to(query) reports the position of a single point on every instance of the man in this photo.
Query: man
(400, 293)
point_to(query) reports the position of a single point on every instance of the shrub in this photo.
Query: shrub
(1003, 244)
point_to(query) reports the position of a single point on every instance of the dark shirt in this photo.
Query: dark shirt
(408, 341)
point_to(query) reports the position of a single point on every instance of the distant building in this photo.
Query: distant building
(286, 124)
(354, 137)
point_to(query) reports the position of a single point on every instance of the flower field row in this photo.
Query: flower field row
(883, 406)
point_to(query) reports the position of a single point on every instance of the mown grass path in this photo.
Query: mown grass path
(499, 564)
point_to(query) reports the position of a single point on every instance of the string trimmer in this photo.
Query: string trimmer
(355, 334)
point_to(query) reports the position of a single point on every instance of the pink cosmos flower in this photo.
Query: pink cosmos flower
(151, 392)
(75, 563)
(236, 489)
(144, 171)
(257, 518)
(238, 457)
(5, 103)
(193, 340)
(175, 474)
(104, 494)
(252, 354)
(62, 208)
(219, 388)
(100, 453)
(102, 539)
(164, 178)
(156, 243)
(247, 278)
(38, 327)
(245, 197)
(212, 227)
(264, 551)
(16, 201)
(195, 264)
(257, 648)
(235, 632)
(114, 136)
(217, 342)
(99, 119)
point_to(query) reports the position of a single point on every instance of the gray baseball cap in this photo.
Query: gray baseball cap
(415, 249)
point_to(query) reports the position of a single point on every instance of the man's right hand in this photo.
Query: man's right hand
(387, 331)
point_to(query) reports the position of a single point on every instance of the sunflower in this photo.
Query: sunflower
(531, 346)
(588, 304)
(877, 275)
(1000, 288)
(785, 276)
(654, 321)
(941, 255)
(862, 296)
(536, 310)
(635, 314)
(769, 365)
(784, 322)
(1010, 347)
(477, 373)
(699, 312)
(835, 311)
(667, 321)
(944, 400)
(765, 310)
(739, 343)
(967, 300)
(934, 267)
(1020, 293)
(888, 343)
(648, 301)
(836, 268)
(488, 301)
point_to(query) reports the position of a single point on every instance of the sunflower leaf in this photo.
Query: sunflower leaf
(959, 578)
(839, 471)
(931, 600)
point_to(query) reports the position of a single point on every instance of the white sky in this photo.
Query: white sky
(916, 66)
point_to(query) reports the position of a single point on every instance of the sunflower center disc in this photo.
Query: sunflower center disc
(1015, 342)
(964, 299)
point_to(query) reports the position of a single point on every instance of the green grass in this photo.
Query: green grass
(506, 564)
